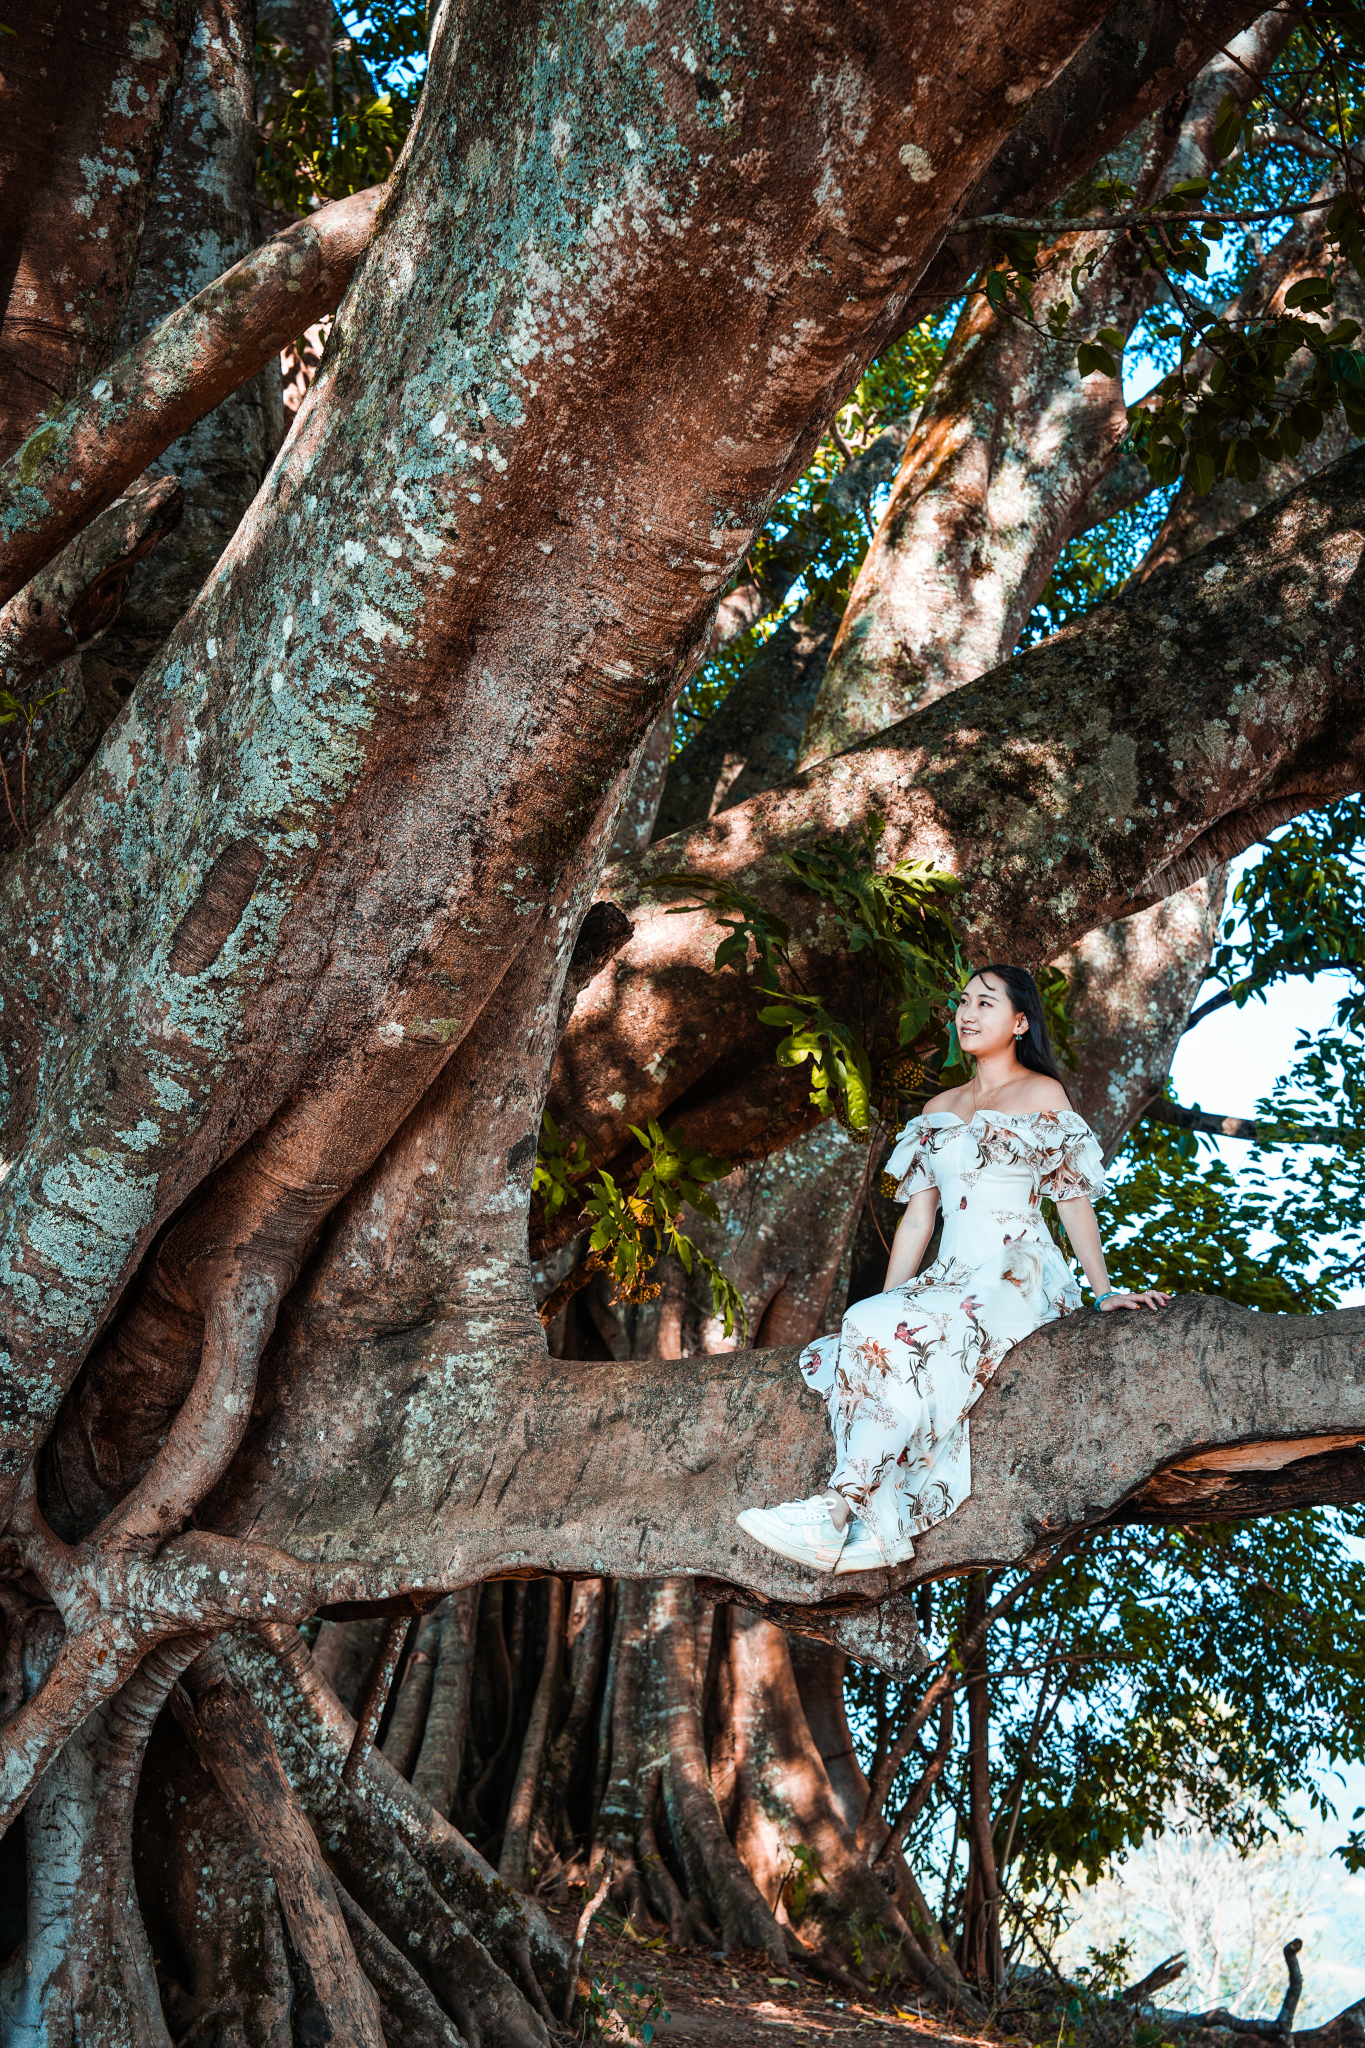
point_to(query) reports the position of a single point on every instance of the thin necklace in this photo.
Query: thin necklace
(977, 1103)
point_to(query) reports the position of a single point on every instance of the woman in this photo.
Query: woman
(909, 1363)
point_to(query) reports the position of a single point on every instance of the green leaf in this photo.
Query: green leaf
(1091, 361)
(1313, 292)
(1227, 126)
(1248, 462)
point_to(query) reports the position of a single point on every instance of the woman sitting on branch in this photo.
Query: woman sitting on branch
(908, 1364)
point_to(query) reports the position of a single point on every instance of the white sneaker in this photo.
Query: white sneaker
(799, 1529)
(863, 1551)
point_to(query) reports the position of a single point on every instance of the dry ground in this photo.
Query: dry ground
(738, 2001)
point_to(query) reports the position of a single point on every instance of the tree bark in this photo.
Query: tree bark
(202, 221)
(88, 94)
(223, 1723)
(81, 460)
(1009, 447)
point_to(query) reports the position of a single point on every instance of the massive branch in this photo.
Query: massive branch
(77, 461)
(1206, 1410)
(1110, 765)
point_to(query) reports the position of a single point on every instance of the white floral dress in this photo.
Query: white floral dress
(908, 1365)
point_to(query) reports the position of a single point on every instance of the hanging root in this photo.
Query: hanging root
(436, 1775)
(233, 1741)
(210, 1423)
(410, 1871)
(84, 1970)
(517, 1832)
(95, 1584)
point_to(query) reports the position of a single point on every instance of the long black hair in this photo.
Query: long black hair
(1033, 1047)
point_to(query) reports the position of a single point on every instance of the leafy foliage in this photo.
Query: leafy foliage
(1095, 564)
(622, 2008)
(1208, 1666)
(895, 924)
(319, 144)
(1301, 911)
(803, 1874)
(1284, 1232)
(630, 1232)
(1176, 1218)
(1227, 408)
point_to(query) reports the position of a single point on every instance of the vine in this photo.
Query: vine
(895, 923)
(867, 1072)
(12, 707)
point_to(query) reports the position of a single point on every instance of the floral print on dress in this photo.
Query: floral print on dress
(907, 1366)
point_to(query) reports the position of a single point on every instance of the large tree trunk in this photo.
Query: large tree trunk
(201, 221)
(282, 991)
(88, 95)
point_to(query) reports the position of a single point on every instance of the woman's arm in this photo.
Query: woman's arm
(1078, 1219)
(913, 1233)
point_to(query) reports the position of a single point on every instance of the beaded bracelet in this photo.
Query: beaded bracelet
(1105, 1297)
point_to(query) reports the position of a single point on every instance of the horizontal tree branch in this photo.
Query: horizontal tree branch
(78, 461)
(1090, 223)
(77, 596)
(1289, 135)
(1093, 1419)
(1182, 1118)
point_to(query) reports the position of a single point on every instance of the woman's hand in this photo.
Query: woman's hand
(1149, 1300)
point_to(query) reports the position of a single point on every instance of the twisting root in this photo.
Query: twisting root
(85, 1969)
(410, 2011)
(234, 1743)
(381, 1837)
(210, 1422)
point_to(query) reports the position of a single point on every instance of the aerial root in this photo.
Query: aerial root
(233, 1742)
(411, 2014)
(487, 1952)
(85, 1969)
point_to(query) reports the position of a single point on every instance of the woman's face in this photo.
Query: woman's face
(986, 1018)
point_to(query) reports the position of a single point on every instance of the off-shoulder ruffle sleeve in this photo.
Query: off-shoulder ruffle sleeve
(1075, 1164)
(908, 1164)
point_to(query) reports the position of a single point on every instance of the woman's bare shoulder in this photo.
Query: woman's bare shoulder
(948, 1100)
(1041, 1092)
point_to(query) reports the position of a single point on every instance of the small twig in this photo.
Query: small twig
(376, 1695)
(1180, 1118)
(1284, 2019)
(840, 443)
(580, 1938)
(1089, 223)
(559, 1298)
